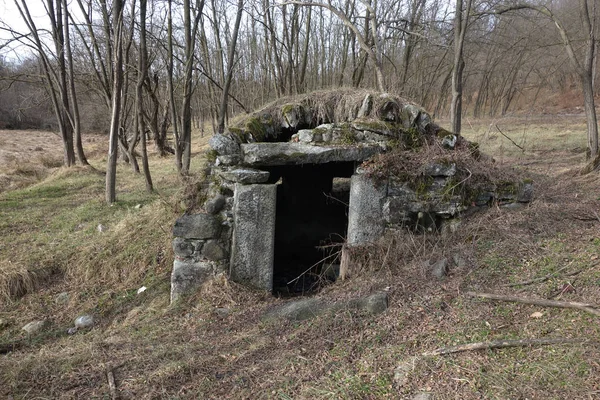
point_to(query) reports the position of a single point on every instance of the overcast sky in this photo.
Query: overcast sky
(10, 18)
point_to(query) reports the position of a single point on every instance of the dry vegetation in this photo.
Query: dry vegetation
(188, 351)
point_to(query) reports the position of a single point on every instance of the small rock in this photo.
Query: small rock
(440, 268)
(228, 159)
(62, 298)
(141, 290)
(373, 304)
(214, 205)
(138, 206)
(297, 310)
(187, 248)
(84, 321)
(213, 251)
(459, 261)
(222, 312)
(101, 228)
(525, 194)
(72, 330)
(34, 326)
(308, 136)
(440, 170)
(449, 141)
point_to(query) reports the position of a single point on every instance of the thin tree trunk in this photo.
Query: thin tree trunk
(71, 78)
(460, 28)
(111, 167)
(142, 74)
(228, 79)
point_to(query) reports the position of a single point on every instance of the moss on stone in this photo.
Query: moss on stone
(256, 128)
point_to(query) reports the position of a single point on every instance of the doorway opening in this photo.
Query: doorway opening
(310, 225)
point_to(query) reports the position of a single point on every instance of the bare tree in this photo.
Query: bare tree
(142, 76)
(117, 86)
(230, 64)
(461, 21)
(584, 68)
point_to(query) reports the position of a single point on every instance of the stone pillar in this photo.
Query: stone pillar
(365, 213)
(253, 235)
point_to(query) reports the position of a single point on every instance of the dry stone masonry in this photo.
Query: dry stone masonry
(289, 184)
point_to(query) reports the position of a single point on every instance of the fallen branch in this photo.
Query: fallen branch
(512, 141)
(542, 278)
(589, 308)
(500, 344)
(110, 376)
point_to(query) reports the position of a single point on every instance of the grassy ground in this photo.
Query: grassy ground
(50, 243)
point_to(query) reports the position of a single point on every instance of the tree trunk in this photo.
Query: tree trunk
(71, 78)
(460, 28)
(590, 113)
(230, 60)
(111, 167)
(142, 74)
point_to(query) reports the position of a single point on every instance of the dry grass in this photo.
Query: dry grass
(188, 351)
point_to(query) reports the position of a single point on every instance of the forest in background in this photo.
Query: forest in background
(185, 63)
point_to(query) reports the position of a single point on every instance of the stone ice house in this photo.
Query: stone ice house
(293, 183)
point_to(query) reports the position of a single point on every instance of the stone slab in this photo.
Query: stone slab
(253, 235)
(245, 175)
(365, 214)
(289, 153)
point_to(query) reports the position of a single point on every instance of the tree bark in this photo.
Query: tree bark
(230, 61)
(111, 167)
(73, 92)
(142, 75)
(461, 22)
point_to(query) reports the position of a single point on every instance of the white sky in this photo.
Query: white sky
(10, 17)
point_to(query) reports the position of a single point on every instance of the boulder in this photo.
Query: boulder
(224, 144)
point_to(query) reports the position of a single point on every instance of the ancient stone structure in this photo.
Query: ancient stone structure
(294, 180)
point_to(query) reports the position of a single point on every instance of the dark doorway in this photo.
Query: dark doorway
(311, 224)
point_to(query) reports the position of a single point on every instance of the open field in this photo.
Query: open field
(50, 244)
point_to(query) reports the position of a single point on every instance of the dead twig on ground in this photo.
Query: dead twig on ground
(512, 141)
(110, 376)
(589, 308)
(501, 344)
